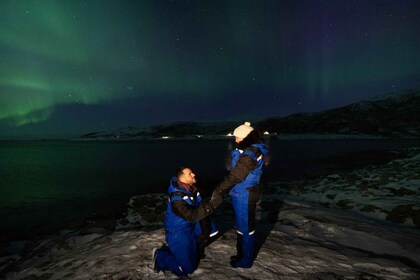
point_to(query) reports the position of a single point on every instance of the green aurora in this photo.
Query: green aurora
(61, 53)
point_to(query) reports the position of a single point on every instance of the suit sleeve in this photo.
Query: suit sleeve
(191, 213)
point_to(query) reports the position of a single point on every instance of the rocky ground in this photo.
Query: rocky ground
(354, 224)
(389, 191)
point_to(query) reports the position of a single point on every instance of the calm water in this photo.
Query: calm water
(45, 182)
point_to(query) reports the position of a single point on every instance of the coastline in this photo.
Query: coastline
(298, 235)
(295, 136)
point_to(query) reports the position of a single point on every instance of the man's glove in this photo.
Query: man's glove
(209, 207)
(216, 199)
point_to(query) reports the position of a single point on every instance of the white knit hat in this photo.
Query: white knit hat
(242, 131)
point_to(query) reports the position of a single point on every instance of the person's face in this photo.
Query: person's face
(238, 139)
(188, 177)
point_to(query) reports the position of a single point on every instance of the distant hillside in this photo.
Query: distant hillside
(192, 130)
(395, 115)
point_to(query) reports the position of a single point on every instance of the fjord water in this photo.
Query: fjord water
(43, 183)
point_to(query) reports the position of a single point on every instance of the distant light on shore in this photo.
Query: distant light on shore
(165, 137)
(229, 134)
(266, 133)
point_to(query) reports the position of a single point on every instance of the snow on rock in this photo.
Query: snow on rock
(307, 242)
(388, 192)
(324, 229)
(143, 210)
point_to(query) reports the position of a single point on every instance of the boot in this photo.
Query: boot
(246, 259)
(238, 248)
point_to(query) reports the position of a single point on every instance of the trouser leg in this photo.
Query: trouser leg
(181, 256)
(239, 251)
(247, 249)
(166, 261)
(245, 208)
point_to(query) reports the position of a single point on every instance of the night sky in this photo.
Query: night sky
(72, 67)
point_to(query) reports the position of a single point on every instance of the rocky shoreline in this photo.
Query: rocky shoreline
(386, 195)
(387, 192)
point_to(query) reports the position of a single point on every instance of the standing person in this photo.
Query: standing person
(242, 181)
(187, 228)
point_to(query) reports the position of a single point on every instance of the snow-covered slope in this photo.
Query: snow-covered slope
(389, 192)
(307, 242)
(303, 232)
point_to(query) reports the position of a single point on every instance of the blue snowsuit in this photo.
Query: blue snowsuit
(182, 227)
(244, 177)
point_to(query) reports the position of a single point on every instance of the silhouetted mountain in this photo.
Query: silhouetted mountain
(191, 130)
(395, 115)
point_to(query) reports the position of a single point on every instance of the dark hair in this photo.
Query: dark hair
(180, 170)
(253, 137)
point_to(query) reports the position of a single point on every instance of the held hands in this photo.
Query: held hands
(216, 199)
